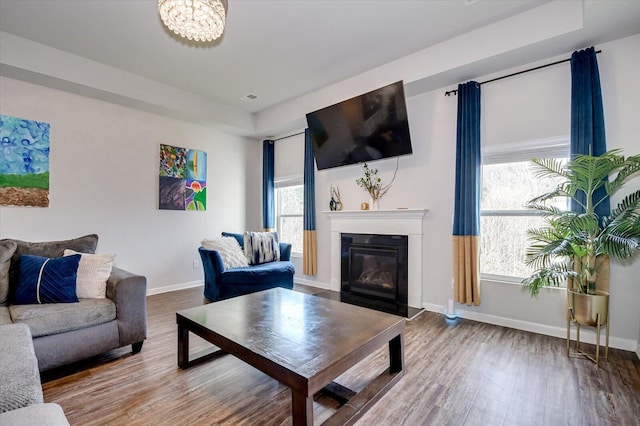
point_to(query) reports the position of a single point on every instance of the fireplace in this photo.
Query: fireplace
(374, 270)
(371, 230)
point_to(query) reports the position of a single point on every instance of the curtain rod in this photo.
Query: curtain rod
(288, 136)
(454, 91)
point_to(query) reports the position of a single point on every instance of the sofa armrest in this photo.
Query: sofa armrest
(213, 269)
(129, 293)
(35, 414)
(19, 375)
(285, 251)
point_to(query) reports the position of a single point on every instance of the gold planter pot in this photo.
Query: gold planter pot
(589, 308)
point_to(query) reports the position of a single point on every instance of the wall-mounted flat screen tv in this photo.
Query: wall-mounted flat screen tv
(365, 128)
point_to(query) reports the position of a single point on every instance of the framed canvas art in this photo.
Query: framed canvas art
(183, 179)
(24, 162)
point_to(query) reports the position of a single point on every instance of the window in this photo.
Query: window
(507, 185)
(289, 212)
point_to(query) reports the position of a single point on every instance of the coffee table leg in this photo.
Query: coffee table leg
(183, 346)
(302, 409)
(396, 354)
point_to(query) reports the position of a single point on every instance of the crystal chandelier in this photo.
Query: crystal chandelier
(199, 20)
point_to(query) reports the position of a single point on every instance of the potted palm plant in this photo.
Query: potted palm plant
(572, 247)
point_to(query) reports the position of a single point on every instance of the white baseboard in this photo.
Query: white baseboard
(432, 307)
(587, 334)
(174, 287)
(312, 283)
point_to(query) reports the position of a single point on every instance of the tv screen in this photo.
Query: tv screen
(365, 128)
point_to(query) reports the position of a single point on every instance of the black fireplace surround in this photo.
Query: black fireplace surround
(375, 271)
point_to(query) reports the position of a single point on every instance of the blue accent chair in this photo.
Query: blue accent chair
(221, 283)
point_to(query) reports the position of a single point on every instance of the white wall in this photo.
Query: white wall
(531, 106)
(104, 180)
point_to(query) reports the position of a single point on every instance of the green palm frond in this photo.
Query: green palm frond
(580, 224)
(619, 246)
(597, 168)
(627, 209)
(547, 244)
(546, 210)
(630, 168)
(549, 167)
(555, 274)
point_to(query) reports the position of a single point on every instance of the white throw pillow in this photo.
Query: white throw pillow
(261, 247)
(230, 251)
(93, 273)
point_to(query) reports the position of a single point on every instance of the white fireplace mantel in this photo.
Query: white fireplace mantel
(378, 214)
(387, 222)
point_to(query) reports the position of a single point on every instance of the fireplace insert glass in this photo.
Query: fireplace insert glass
(373, 270)
(375, 266)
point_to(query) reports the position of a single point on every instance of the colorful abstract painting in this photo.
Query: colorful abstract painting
(196, 195)
(24, 162)
(173, 161)
(183, 179)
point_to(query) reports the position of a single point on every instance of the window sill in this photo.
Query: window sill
(296, 255)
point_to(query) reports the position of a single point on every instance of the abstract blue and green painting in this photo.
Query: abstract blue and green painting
(24, 162)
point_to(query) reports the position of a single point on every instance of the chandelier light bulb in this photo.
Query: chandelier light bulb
(199, 20)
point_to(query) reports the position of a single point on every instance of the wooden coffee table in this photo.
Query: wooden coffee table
(301, 340)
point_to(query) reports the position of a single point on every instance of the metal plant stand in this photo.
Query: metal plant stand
(600, 322)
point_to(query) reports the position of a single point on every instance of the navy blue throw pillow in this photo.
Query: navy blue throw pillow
(47, 280)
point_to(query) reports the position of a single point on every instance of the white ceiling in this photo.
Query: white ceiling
(280, 50)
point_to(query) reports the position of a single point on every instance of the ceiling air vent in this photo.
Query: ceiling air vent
(250, 97)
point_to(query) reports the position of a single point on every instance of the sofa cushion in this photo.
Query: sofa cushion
(263, 273)
(239, 237)
(19, 373)
(230, 251)
(7, 249)
(61, 317)
(261, 247)
(47, 280)
(86, 244)
(93, 273)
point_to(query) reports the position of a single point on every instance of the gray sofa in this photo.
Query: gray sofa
(67, 332)
(21, 402)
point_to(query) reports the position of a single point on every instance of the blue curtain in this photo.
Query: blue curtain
(268, 187)
(309, 252)
(466, 222)
(587, 119)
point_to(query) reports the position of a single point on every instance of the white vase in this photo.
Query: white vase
(373, 204)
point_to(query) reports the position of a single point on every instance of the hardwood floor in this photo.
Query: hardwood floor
(464, 373)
